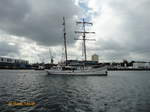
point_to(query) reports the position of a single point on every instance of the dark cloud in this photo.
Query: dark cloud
(40, 21)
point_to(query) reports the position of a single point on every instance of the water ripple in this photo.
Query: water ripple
(119, 92)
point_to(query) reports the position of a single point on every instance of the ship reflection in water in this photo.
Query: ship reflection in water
(119, 92)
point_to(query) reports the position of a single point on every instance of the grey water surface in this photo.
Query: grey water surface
(120, 91)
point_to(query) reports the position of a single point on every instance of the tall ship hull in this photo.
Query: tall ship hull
(85, 72)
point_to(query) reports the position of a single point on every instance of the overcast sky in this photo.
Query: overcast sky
(28, 28)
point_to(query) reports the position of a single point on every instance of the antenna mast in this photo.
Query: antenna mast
(84, 32)
(65, 43)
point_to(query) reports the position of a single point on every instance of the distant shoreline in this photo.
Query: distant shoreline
(128, 69)
(109, 69)
(14, 69)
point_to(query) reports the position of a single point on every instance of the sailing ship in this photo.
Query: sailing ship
(82, 69)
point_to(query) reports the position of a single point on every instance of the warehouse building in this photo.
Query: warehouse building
(13, 63)
(140, 64)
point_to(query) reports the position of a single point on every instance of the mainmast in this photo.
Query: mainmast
(84, 32)
(65, 42)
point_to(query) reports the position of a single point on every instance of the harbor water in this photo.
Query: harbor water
(120, 91)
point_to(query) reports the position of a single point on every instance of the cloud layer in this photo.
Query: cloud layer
(121, 26)
(40, 21)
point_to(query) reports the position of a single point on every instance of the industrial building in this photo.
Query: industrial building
(141, 64)
(95, 57)
(11, 63)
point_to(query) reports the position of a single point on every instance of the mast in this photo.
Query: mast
(51, 56)
(65, 42)
(84, 44)
(84, 32)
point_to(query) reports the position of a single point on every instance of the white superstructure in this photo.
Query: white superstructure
(141, 65)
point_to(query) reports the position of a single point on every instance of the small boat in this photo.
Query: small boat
(40, 68)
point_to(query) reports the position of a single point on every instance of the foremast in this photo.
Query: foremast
(65, 42)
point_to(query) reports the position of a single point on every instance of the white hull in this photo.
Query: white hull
(90, 72)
